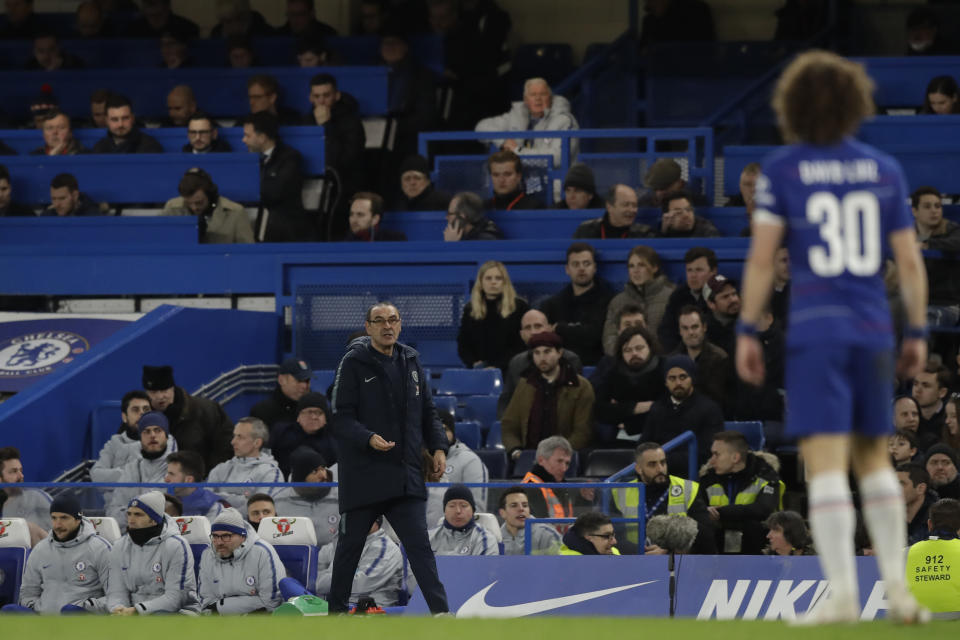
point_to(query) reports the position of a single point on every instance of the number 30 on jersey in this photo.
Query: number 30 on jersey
(850, 230)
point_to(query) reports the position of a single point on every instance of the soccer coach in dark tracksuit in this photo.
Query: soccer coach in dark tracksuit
(382, 415)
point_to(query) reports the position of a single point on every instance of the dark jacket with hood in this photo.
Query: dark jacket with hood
(388, 396)
(344, 138)
(618, 388)
(580, 319)
(201, 426)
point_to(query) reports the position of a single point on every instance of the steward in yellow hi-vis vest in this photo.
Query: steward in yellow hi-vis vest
(933, 565)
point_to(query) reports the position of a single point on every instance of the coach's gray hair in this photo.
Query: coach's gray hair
(548, 445)
(258, 429)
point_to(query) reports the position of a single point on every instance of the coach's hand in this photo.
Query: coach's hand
(750, 360)
(439, 462)
(913, 357)
(380, 444)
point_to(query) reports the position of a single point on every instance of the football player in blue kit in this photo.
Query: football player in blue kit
(840, 207)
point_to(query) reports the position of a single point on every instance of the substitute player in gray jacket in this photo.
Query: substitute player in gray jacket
(459, 534)
(515, 511)
(240, 573)
(150, 465)
(320, 504)
(151, 567)
(69, 567)
(379, 574)
(248, 464)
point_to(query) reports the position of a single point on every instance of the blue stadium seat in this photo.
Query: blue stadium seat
(438, 353)
(300, 561)
(322, 379)
(494, 439)
(12, 562)
(495, 461)
(468, 382)
(752, 430)
(446, 403)
(603, 463)
(469, 433)
(528, 458)
(197, 550)
(482, 408)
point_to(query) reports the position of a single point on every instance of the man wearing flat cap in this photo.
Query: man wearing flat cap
(198, 424)
(683, 409)
(293, 380)
(67, 570)
(663, 176)
(551, 399)
(309, 429)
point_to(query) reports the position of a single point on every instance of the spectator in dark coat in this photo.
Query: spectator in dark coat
(765, 402)
(417, 192)
(619, 220)
(489, 333)
(580, 309)
(680, 221)
(302, 22)
(158, 19)
(723, 300)
(701, 265)
(198, 424)
(238, 20)
(366, 213)
(48, 56)
(293, 381)
(411, 92)
(467, 220)
(339, 115)
(506, 177)
(625, 386)
(685, 409)
(308, 430)
(580, 189)
(123, 135)
(9, 208)
(281, 182)
(714, 367)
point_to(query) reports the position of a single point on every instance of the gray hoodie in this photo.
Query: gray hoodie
(463, 465)
(247, 581)
(557, 118)
(33, 505)
(472, 540)
(117, 452)
(379, 574)
(157, 577)
(71, 572)
(137, 470)
(252, 470)
(546, 540)
(324, 513)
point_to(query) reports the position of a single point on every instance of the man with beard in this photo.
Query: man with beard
(260, 506)
(198, 424)
(514, 511)
(122, 446)
(239, 572)
(551, 400)
(680, 221)
(915, 483)
(724, 303)
(626, 387)
(149, 466)
(123, 135)
(713, 363)
(151, 567)
(317, 503)
(187, 466)
(66, 571)
(742, 491)
(33, 505)
(684, 409)
(664, 494)
(293, 380)
(942, 467)
(580, 309)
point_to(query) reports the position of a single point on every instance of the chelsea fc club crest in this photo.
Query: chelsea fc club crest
(38, 353)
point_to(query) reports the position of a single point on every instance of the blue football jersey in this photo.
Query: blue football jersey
(838, 205)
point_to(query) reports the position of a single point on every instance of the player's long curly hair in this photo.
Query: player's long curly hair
(821, 98)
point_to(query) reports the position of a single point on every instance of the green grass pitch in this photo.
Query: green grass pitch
(387, 627)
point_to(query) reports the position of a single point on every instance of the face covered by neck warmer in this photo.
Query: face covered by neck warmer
(141, 536)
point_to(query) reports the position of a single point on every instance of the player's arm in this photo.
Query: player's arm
(913, 288)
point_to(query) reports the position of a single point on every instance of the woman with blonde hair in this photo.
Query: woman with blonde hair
(490, 327)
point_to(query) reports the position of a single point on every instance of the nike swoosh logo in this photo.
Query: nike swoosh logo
(45, 566)
(369, 379)
(476, 606)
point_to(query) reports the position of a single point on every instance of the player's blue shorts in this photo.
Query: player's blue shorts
(839, 389)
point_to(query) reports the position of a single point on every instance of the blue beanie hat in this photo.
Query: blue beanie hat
(153, 419)
(682, 362)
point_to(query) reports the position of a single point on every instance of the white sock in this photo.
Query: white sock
(884, 515)
(832, 523)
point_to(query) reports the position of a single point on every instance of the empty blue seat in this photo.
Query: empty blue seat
(438, 353)
(468, 432)
(480, 408)
(300, 561)
(322, 379)
(12, 562)
(493, 439)
(446, 403)
(468, 382)
(603, 463)
(752, 430)
(197, 550)
(495, 461)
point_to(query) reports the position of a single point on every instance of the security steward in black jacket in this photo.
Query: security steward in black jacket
(383, 415)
